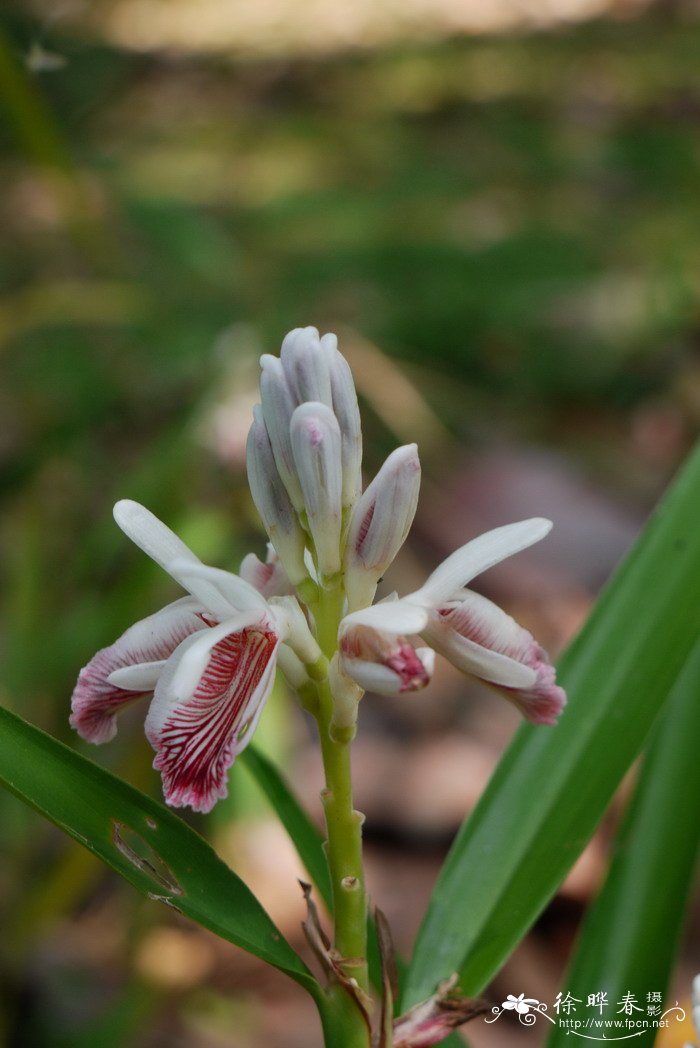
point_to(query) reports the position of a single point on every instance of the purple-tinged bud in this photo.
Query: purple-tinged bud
(272, 500)
(268, 578)
(347, 412)
(306, 367)
(380, 523)
(278, 404)
(316, 446)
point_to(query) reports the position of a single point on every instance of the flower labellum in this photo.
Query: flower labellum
(384, 662)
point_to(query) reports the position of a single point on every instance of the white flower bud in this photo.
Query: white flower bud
(380, 523)
(269, 578)
(316, 446)
(347, 412)
(306, 367)
(278, 404)
(272, 501)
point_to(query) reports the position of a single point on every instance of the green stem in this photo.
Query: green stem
(344, 843)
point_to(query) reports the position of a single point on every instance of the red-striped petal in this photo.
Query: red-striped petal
(96, 702)
(206, 706)
(481, 639)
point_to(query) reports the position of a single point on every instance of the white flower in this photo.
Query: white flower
(209, 660)
(473, 633)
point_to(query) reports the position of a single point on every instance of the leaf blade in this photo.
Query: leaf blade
(630, 934)
(142, 840)
(543, 801)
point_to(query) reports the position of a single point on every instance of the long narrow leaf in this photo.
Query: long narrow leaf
(631, 933)
(552, 786)
(143, 841)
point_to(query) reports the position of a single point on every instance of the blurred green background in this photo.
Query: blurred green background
(503, 228)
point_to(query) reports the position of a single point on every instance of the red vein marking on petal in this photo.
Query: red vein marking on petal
(197, 743)
(407, 665)
(95, 702)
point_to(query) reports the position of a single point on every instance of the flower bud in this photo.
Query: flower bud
(306, 367)
(269, 578)
(278, 404)
(272, 501)
(380, 523)
(347, 412)
(316, 446)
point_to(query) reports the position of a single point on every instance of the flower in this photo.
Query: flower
(209, 660)
(473, 633)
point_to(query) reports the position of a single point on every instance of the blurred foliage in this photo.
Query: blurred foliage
(515, 220)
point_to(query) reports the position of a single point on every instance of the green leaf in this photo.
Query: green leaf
(631, 933)
(147, 844)
(305, 836)
(553, 785)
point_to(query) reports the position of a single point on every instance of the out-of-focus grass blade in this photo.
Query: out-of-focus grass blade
(631, 933)
(553, 785)
(305, 836)
(143, 841)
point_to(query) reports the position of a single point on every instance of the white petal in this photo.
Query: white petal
(208, 700)
(476, 660)
(141, 677)
(478, 555)
(150, 534)
(373, 676)
(234, 593)
(394, 616)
